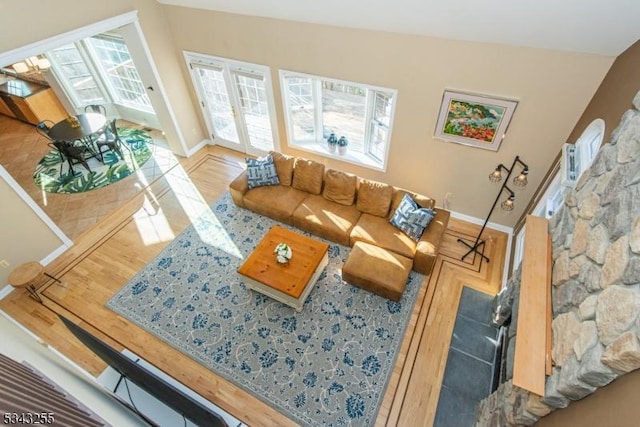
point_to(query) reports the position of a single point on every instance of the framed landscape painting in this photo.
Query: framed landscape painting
(476, 120)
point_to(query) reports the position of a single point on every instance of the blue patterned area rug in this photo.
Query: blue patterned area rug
(327, 365)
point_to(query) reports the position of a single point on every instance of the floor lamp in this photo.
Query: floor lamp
(508, 204)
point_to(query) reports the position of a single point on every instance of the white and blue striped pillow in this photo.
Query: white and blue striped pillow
(411, 218)
(261, 172)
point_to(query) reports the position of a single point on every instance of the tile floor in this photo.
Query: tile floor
(468, 376)
(21, 148)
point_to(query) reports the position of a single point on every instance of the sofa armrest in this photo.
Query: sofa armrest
(238, 188)
(429, 244)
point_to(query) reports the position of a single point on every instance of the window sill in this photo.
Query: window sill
(135, 107)
(349, 156)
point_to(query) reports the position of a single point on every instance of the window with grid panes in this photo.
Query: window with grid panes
(72, 69)
(113, 58)
(316, 107)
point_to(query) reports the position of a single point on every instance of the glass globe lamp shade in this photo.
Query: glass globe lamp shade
(496, 175)
(520, 180)
(508, 204)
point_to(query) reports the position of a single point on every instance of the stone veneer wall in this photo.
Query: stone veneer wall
(596, 285)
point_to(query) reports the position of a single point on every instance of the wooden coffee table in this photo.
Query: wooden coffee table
(289, 283)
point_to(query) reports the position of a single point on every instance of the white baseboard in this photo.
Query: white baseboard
(478, 221)
(55, 254)
(199, 147)
(6, 291)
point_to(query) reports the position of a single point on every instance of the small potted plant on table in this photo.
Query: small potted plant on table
(283, 253)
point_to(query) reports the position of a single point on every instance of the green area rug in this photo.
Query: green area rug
(52, 173)
(327, 365)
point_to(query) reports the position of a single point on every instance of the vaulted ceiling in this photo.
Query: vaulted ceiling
(587, 26)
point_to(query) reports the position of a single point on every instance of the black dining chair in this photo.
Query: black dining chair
(111, 140)
(96, 108)
(43, 128)
(74, 154)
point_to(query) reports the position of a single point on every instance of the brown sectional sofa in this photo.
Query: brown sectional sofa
(341, 207)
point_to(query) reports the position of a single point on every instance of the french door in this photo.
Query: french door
(237, 102)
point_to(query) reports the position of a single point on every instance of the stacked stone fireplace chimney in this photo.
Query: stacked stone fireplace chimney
(595, 285)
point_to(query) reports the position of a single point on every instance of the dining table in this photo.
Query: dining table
(87, 124)
(79, 128)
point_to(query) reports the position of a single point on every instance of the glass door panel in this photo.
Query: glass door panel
(238, 103)
(254, 111)
(218, 105)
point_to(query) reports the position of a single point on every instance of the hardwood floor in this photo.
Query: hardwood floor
(107, 255)
(21, 150)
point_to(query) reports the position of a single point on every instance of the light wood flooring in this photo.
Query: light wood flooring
(107, 255)
(21, 148)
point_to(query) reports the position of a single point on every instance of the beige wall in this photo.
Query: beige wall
(31, 21)
(48, 18)
(553, 88)
(614, 95)
(24, 236)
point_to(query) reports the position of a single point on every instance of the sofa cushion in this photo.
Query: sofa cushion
(410, 218)
(307, 176)
(374, 197)
(422, 201)
(340, 187)
(284, 167)
(379, 232)
(261, 172)
(326, 219)
(276, 201)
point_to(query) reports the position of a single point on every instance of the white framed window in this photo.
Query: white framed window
(578, 157)
(551, 200)
(315, 107)
(73, 71)
(519, 248)
(546, 207)
(99, 70)
(111, 55)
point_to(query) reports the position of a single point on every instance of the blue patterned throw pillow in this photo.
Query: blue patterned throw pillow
(262, 172)
(411, 218)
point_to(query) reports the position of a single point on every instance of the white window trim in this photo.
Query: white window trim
(319, 148)
(519, 248)
(111, 93)
(593, 133)
(582, 153)
(99, 74)
(64, 81)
